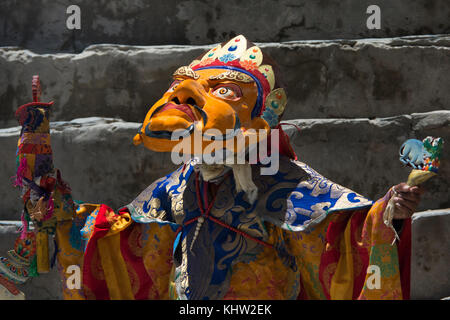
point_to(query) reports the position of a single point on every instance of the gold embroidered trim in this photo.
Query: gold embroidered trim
(186, 71)
(232, 75)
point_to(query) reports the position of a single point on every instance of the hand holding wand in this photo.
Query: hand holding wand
(424, 157)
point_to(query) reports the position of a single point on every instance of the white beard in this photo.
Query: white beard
(242, 176)
(244, 182)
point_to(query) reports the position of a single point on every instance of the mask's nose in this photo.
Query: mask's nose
(189, 92)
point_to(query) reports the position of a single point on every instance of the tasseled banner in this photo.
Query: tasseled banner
(18, 181)
(25, 225)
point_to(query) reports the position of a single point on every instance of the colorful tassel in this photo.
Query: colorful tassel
(25, 218)
(18, 182)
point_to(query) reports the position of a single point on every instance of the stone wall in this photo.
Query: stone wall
(332, 79)
(430, 273)
(40, 25)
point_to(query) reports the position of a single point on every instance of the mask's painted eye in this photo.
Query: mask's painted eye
(227, 91)
(173, 86)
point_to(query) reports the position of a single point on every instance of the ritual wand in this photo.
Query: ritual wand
(424, 157)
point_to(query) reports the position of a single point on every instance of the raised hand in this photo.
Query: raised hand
(406, 199)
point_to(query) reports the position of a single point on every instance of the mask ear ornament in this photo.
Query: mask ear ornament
(275, 103)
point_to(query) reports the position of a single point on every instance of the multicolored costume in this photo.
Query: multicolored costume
(189, 236)
(46, 197)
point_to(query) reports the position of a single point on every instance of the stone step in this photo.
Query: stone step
(99, 161)
(324, 79)
(41, 25)
(430, 272)
(430, 278)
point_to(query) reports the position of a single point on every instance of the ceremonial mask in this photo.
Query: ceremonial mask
(229, 92)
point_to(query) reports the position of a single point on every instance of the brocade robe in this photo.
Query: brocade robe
(304, 237)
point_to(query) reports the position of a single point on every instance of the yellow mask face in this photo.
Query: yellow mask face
(215, 102)
(231, 89)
